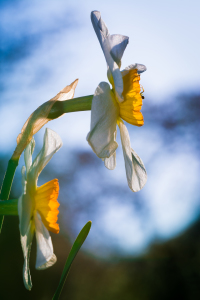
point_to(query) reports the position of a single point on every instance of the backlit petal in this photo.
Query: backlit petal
(104, 115)
(118, 44)
(45, 257)
(140, 69)
(110, 162)
(28, 152)
(26, 241)
(106, 42)
(25, 210)
(51, 144)
(135, 170)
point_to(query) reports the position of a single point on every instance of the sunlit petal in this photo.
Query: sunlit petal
(45, 257)
(140, 69)
(114, 74)
(110, 162)
(104, 115)
(28, 154)
(118, 44)
(25, 209)
(26, 241)
(135, 170)
(51, 144)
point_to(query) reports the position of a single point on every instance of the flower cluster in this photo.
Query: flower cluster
(111, 106)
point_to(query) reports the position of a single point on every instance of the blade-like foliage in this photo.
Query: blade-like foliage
(74, 250)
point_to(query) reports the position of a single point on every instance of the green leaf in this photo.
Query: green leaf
(9, 207)
(7, 183)
(74, 250)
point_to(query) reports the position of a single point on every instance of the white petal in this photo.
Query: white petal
(106, 45)
(23, 171)
(140, 68)
(45, 256)
(51, 144)
(118, 44)
(104, 115)
(110, 163)
(26, 242)
(135, 170)
(28, 152)
(25, 210)
(99, 26)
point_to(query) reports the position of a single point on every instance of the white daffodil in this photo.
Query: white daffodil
(38, 206)
(111, 106)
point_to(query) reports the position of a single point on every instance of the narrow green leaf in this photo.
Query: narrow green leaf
(74, 250)
(9, 207)
(7, 183)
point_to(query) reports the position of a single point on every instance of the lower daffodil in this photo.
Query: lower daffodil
(111, 106)
(38, 206)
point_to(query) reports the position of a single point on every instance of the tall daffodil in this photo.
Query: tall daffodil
(38, 206)
(111, 106)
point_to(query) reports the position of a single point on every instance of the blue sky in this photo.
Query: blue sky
(48, 44)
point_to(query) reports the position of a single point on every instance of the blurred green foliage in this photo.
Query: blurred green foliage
(168, 270)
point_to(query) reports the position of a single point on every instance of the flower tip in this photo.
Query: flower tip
(95, 16)
(95, 12)
(74, 83)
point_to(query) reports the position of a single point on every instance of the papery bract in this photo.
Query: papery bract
(40, 117)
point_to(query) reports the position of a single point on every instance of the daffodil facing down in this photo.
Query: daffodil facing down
(111, 106)
(38, 206)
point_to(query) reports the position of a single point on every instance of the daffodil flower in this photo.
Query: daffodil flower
(111, 106)
(38, 206)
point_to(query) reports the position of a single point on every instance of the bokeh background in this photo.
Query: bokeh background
(142, 245)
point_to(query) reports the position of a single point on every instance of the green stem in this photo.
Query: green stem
(7, 183)
(9, 207)
(76, 104)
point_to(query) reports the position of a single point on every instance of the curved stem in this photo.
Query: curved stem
(7, 183)
(76, 104)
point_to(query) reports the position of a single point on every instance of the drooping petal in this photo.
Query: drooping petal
(104, 114)
(26, 241)
(107, 42)
(45, 257)
(25, 210)
(135, 170)
(51, 144)
(140, 69)
(40, 117)
(110, 162)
